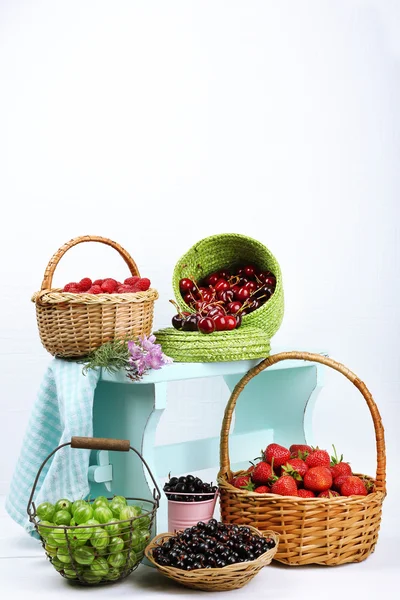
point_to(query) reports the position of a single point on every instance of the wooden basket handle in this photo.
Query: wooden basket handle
(89, 443)
(318, 358)
(55, 259)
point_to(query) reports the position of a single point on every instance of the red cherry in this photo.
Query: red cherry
(249, 271)
(200, 305)
(233, 307)
(235, 289)
(189, 298)
(230, 322)
(253, 305)
(186, 285)
(215, 311)
(262, 275)
(208, 296)
(242, 294)
(220, 322)
(224, 274)
(221, 285)
(264, 293)
(251, 286)
(226, 296)
(238, 320)
(206, 325)
(212, 279)
(271, 281)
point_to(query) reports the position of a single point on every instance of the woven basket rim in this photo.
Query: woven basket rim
(228, 568)
(57, 296)
(373, 496)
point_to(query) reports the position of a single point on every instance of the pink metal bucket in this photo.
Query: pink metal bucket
(187, 514)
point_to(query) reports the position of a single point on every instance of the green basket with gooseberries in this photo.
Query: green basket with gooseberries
(99, 541)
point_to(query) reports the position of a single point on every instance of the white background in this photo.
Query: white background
(159, 123)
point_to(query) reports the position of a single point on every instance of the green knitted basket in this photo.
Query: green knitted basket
(244, 343)
(228, 250)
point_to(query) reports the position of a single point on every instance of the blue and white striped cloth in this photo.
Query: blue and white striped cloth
(63, 408)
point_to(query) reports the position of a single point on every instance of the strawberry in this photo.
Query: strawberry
(243, 482)
(328, 494)
(97, 282)
(85, 284)
(131, 280)
(339, 481)
(318, 479)
(305, 493)
(338, 467)
(353, 486)
(284, 486)
(300, 451)
(261, 473)
(318, 458)
(297, 468)
(369, 484)
(279, 454)
(263, 489)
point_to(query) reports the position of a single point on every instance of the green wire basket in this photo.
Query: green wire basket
(228, 250)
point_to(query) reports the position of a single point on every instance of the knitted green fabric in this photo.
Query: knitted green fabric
(239, 344)
(231, 250)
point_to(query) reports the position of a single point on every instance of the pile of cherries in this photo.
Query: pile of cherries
(211, 545)
(189, 489)
(222, 298)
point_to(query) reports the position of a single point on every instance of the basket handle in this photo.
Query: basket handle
(318, 358)
(55, 259)
(93, 444)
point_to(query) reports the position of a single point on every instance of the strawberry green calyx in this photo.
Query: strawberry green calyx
(250, 487)
(289, 470)
(334, 459)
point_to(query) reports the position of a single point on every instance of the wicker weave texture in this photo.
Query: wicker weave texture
(244, 343)
(326, 531)
(73, 325)
(229, 250)
(231, 577)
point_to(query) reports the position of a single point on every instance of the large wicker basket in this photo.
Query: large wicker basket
(73, 325)
(326, 531)
(231, 577)
(229, 250)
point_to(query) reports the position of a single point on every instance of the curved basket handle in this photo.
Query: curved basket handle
(318, 358)
(55, 259)
(96, 444)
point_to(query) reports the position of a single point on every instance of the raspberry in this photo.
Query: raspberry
(69, 286)
(131, 280)
(125, 289)
(97, 282)
(142, 285)
(95, 289)
(85, 284)
(109, 286)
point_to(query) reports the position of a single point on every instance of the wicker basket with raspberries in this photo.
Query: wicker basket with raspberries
(77, 319)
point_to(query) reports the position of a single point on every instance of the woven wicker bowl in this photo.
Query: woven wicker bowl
(244, 343)
(231, 577)
(228, 250)
(325, 531)
(73, 325)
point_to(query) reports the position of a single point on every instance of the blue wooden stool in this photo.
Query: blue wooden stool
(275, 406)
